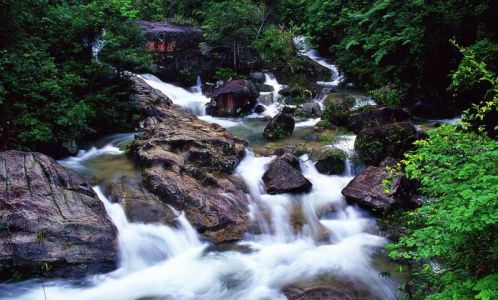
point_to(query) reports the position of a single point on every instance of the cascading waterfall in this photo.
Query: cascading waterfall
(304, 49)
(335, 240)
(193, 101)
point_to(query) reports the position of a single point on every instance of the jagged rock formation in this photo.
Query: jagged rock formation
(188, 163)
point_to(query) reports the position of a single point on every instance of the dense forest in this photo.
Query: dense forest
(56, 92)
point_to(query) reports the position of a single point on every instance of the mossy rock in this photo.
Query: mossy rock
(338, 108)
(348, 100)
(375, 144)
(330, 161)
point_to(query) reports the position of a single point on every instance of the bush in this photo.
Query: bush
(387, 96)
(456, 227)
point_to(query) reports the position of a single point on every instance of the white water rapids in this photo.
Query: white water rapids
(336, 241)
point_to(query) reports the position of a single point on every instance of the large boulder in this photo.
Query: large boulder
(175, 49)
(146, 96)
(430, 110)
(375, 144)
(234, 98)
(284, 176)
(280, 126)
(188, 163)
(368, 191)
(51, 220)
(375, 117)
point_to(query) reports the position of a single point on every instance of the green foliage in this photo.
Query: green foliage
(457, 225)
(53, 91)
(474, 80)
(387, 96)
(231, 23)
(225, 74)
(337, 109)
(404, 44)
(277, 49)
(279, 132)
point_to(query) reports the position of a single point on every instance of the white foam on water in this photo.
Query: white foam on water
(158, 261)
(192, 100)
(304, 49)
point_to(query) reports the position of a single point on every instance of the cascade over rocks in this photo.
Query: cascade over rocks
(375, 117)
(367, 190)
(187, 163)
(280, 126)
(284, 176)
(234, 98)
(50, 218)
(140, 205)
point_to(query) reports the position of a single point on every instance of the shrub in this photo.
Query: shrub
(456, 227)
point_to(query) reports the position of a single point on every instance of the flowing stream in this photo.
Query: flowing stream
(336, 244)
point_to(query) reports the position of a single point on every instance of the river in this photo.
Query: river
(338, 245)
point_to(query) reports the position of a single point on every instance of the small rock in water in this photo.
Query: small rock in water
(259, 109)
(312, 109)
(329, 161)
(235, 97)
(284, 176)
(280, 126)
(368, 191)
(257, 77)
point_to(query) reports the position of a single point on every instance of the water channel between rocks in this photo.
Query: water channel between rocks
(303, 240)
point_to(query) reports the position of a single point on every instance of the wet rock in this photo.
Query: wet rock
(51, 220)
(234, 98)
(289, 110)
(375, 117)
(291, 92)
(147, 96)
(326, 291)
(429, 110)
(257, 77)
(329, 161)
(259, 109)
(265, 88)
(284, 176)
(140, 205)
(368, 191)
(374, 144)
(312, 110)
(280, 126)
(188, 163)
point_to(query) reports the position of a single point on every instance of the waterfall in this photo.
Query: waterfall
(304, 49)
(191, 100)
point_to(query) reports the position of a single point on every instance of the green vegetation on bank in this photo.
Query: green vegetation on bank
(54, 90)
(452, 236)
